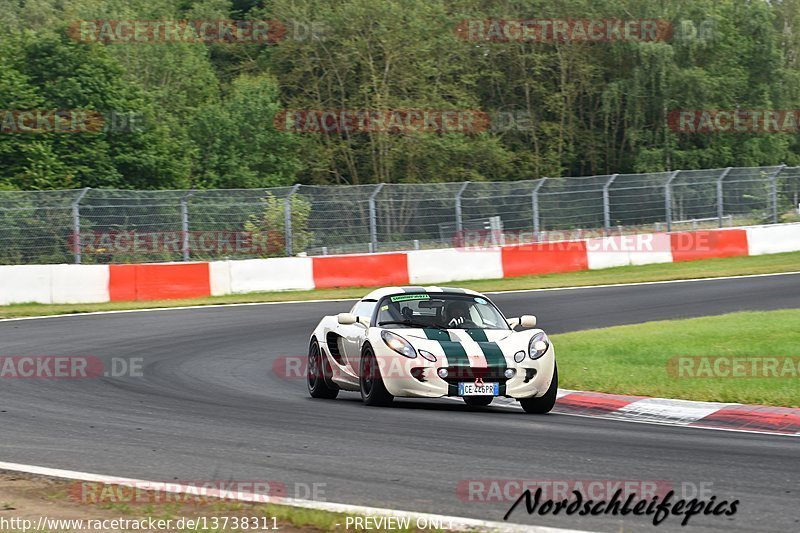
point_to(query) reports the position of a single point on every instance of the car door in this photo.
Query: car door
(354, 335)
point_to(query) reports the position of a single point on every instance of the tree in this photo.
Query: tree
(238, 144)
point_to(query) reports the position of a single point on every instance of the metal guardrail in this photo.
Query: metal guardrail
(125, 226)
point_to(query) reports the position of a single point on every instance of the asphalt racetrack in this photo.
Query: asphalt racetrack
(209, 407)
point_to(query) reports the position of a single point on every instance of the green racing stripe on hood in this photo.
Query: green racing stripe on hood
(491, 350)
(454, 351)
(494, 357)
(478, 335)
(435, 334)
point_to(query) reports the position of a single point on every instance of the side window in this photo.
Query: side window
(364, 308)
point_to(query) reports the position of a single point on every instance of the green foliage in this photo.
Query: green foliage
(238, 147)
(205, 111)
(52, 72)
(269, 228)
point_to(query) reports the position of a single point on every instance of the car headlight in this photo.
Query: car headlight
(398, 344)
(427, 355)
(538, 345)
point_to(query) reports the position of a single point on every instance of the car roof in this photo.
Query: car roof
(377, 294)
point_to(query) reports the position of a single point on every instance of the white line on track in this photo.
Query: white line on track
(451, 522)
(214, 306)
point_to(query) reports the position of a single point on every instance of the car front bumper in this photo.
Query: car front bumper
(419, 379)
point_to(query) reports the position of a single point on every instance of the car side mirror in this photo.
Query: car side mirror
(346, 319)
(526, 321)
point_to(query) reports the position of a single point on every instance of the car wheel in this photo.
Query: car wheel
(373, 391)
(318, 370)
(478, 401)
(542, 404)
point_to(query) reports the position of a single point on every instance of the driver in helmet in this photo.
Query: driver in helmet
(458, 313)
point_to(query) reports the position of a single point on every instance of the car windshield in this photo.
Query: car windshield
(439, 310)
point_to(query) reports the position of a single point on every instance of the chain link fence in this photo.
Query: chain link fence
(95, 226)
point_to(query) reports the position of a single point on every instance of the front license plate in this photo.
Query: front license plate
(474, 389)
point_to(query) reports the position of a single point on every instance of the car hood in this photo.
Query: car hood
(454, 335)
(473, 347)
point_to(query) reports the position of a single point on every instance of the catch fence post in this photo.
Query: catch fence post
(720, 198)
(287, 220)
(185, 224)
(459, 221)
(773, 190)
(373, 219)
(668, 198)
(607, 205)
(535, 207)
(76, 226)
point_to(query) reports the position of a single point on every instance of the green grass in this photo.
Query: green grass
(634, 359)
(734, 266)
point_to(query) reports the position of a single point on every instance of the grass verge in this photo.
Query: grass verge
(635, 359)
(733, 266)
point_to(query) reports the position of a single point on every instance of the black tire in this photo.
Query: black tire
(373, 391)
(542, 404)
(478, 401)
(319, 373)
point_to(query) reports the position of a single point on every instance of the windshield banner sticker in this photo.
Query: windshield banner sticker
(406, 297)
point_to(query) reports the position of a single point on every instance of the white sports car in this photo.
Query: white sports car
(432, 342)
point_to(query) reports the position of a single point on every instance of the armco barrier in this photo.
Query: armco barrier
(53, 284)
(626, 250)
(708, 244)
(444, 266)
(661, 251)
(544, 258)
(159, 281)
(73, 284)
(278, 274)
(103, 283)
(26, 283)
(604, 253)
(219, 274)
(366, 270)
(773, 239)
